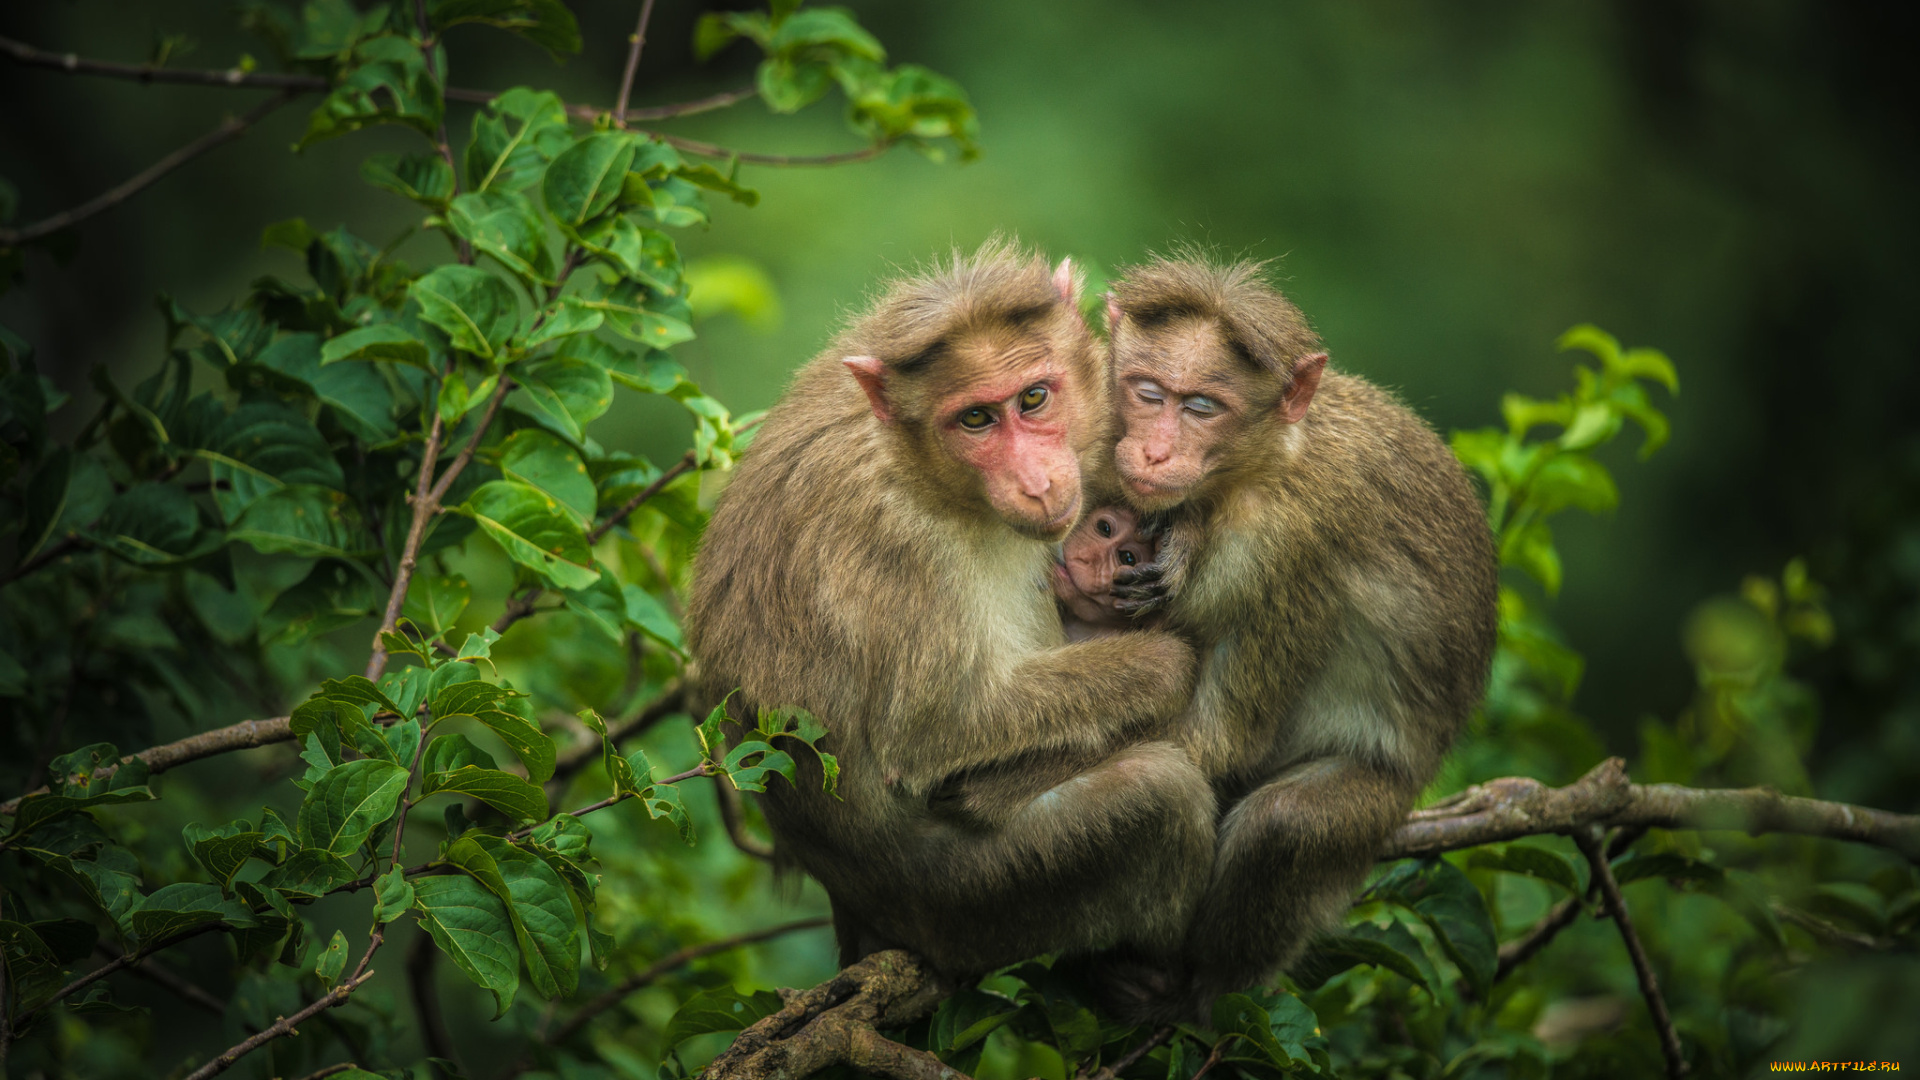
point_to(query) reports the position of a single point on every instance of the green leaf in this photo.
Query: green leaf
(546, 23)
(1650, 364)
(183, 906)
(662, 800)
(1530, 548)
(505, 792)
(505, 226)
(434, 601)
(311, 872)
(263, 446)
(585, 179)
(602, 606)
(491, 705)
(750, 762)
(652, 617)
(1529, 860)
(646, 256)
(76, 786)
(332, 960)
(1591, 425)
(392, 895)
(477, 310)
(721, 1008)
(538, 904)
(1447, 901)
(424, 178)
(479, 646)
(713, 179)
(347, 803)
(560, 319)
(624, 304)
(534, 530)
(356, 393)
(514, 138)
(67, 493)
(573, 392)
(358, 690)
(1393, 950)
(543, 462)
(149, 524)
(1571, 480)
(222, 851)
(335, 593)
(381, 342)
(390, 86)
(471, 926)
(303, 520)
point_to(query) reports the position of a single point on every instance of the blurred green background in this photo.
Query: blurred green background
(1443, 188)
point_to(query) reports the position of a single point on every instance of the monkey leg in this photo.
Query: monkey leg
(1115, 855)
(1291, 855)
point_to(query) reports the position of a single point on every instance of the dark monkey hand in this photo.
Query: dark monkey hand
(1142, 590)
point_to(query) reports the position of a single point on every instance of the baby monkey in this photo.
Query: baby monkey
(1111, 539)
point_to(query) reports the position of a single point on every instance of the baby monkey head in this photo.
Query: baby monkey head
(1109, 540)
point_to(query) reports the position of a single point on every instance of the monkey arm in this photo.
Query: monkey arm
(1071, 701)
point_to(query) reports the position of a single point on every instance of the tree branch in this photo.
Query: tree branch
(652, 973)
(124, 960)
(192, 993)
(671, 700)
(1135, 1054)
(636, 43)
(1590, 841)
(231, 128)
(714, 150)
(1515, 806)
(835, 1023)
(674, 472)
(284, 1025)
(1520, 950)
(28, 56)
(426, 997)
(733, 816)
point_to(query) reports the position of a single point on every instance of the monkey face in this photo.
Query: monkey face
(1180, 397)
(1012, 427)
(1107, 542)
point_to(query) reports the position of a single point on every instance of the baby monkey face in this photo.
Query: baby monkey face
(1107, 542)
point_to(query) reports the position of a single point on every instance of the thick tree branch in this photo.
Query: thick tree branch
(1591, 844)
(1515, 806)
(231, 128)
(284, 1025)
(835, 1023)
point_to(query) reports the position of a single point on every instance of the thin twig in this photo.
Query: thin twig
(673, 699)
(124, 960)
(1134, 1054)
(284, 1025)
(1590, 841)
(22, 53)
(714, 150)
(330, 1070)
(53, 551)
(638, 112)
(453, 469)
(671, 962)
(416, 532)
(1520, 950)
(231, 128)
(636, 43)
(425, 29)
(1213, 1057)
(180, 987)
(674, 472)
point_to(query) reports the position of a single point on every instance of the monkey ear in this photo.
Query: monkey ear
(1299, 393)
(1063, 281)
(1113, 313)
(871, 374)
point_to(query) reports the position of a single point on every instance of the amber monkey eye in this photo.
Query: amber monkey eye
(1126, 558)
(975, 419)
(1103, 527)
(1033, 398)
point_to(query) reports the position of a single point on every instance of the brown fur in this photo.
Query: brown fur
(1338, 580)
(997, 799)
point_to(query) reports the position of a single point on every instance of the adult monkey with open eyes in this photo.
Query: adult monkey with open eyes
(881, 558)
(1331, 564)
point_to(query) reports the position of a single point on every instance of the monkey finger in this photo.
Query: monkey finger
(1135, 575)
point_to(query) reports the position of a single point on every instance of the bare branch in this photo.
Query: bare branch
(330, 1070)
(192, 993)
(688, 108)
(1135, 1054)
(1515, 806)
(1520, 950)
(124, 960)
(28, 56)
(1590, 841)
(636, 43)
(459, 463)
(284, 1025)
(244, 735)
(651, 973)
(834, 1023)
(674, 472)
(231, 128)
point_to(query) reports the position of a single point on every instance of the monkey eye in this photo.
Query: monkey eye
(1149, 392)
(1200, 406)
(1103, 527)
(1127, 559)
(975, 419)
(1033, 398)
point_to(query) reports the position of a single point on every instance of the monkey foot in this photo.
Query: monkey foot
(1136, 989)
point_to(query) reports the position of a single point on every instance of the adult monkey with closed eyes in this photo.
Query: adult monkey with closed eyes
(1332, 566)
(881, 558)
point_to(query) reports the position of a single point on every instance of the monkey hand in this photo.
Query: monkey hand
(1142, 591)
